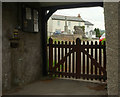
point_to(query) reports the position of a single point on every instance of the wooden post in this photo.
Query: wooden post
(50, 55)
(78, 57)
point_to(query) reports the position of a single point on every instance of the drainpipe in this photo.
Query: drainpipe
(66, 27)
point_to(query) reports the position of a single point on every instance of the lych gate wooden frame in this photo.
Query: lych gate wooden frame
(92, 69)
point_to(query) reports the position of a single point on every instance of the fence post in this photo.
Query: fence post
(50, 55)
(78, 58)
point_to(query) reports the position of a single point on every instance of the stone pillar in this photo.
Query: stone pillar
(111, 25)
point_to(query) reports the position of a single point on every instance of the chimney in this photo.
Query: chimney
(79, 16)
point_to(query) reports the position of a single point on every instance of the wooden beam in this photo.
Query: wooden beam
(51, 11)
(44, 41)
(78, 5)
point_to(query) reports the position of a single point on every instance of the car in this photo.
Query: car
(102, 37)
(64, 33)
(57, 32)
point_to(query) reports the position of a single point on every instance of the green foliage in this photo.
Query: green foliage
(97, 32)
(103, 41)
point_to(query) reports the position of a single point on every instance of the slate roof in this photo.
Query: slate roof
(69, 18)
(88, 23)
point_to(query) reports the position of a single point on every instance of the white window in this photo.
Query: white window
(30, 20)
(35, 20)
(58, 23)
(28, 13)
(69, 23)
(79, 23)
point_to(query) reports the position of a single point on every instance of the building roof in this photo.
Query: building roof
(88, 23)
(69, 18)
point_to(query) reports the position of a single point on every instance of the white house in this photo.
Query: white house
(62, 23)
(89, 31)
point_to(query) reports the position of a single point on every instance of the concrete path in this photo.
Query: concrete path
(61, 87)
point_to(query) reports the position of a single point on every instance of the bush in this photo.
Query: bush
(103, 41)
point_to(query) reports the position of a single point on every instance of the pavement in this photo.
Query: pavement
(61, 87)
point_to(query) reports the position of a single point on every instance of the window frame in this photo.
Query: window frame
(58, 22)
(25, 29)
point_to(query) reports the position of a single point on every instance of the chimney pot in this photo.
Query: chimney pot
(79, 16)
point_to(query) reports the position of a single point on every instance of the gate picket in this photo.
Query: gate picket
(62, 57)
(66, 58)
(92, 60)
(95, 59)
(73, 60)
(58, 57)
(83, 61)
(69, 60)
(55, 56)
(100, 58)
(87, 60)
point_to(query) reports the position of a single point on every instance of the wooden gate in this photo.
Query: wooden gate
(77, 60)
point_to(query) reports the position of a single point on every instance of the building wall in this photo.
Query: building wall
(53, 25)
(56, 26)
(49, 26)
(20, 65)
(87, 31)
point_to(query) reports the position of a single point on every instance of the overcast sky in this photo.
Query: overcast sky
(94, 15)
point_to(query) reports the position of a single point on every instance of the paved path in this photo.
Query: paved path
(61, 87)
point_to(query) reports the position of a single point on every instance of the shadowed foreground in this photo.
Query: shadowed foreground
(62, 87)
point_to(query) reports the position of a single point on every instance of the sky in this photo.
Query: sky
(95, 15)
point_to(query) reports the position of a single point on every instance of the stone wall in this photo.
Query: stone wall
(20, 65)
(111, 25)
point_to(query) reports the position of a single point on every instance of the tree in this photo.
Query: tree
(97, 32)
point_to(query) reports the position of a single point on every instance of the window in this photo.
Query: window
(79, 23)
(87, 26)
(86, 33)
(28, 14)
(35, 21)
(69, 23)
(58, 23)
(93, 33)
(30, 20)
